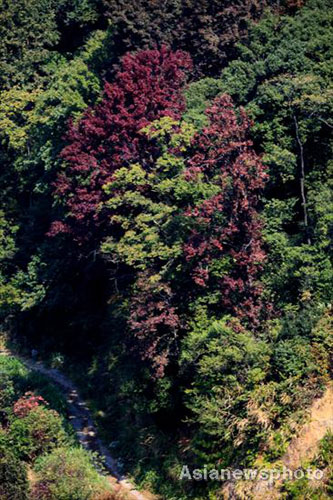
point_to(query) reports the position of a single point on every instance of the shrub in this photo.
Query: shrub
(12, 367)
(230, 401)
(26, 403)
(40, 384)
(69, 473)
(325, 460)
(293, 357)
(7, 391)
(3, 441)
(13, 478)
(38, 432)
(11, 370)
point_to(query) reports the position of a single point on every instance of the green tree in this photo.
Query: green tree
(283, 76)
(32, 30)
(228, 397)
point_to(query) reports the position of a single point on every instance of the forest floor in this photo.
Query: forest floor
(82, 422)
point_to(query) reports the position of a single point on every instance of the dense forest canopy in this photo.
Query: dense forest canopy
(166, 220)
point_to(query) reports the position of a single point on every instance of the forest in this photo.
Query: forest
(166, 237)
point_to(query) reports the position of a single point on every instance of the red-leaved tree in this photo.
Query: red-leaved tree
(213, 253)
(220, 232)
(154, 321)
(148, 85)
(227, 226)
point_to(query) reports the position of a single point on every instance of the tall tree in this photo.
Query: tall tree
(184, 226)
(283, 76)
(147, 86)
(33, 32)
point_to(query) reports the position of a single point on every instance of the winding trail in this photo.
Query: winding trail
(82, 422)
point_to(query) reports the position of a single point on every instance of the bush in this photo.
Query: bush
(292, 357)
(16, 379)
(7, 391)
(4, 443)
(38, 432)
(68, 473)
(27, 403)
(13, 478)
(230, 400)
(12, 367)
(10, 370)
(325, 460)
(41, 384)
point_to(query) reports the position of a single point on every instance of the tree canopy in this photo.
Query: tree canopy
(166, 220)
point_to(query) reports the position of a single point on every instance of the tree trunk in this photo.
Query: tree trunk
(302, 180)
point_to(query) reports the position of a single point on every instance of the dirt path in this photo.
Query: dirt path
(302, 448)
(82, 422)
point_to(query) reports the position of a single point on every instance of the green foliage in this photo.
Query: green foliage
(30, 32)
(7, 391)
(79, 13)
(325, 461)
(12, 367)
(14, 483)
(7, 241)
(302, 489)
(32, 126)
(149, 221)
(15, 114)
(228, 390)
(32, 431)
(23, 289)
(40, 115)
(198, 96)
(249, 390)
(16, 379)
(69, 473)
(268, 52)
(8, 293)
(37, 433)
(227, 397)
(293, 358)
(283, 77)
(41, 385)
(304, 343)
(207, 30)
